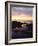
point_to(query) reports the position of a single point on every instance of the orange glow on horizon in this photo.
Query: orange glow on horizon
(21, 17)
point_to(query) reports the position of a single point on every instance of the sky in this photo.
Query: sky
(18, 13)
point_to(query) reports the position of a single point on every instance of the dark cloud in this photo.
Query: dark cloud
(22, 9)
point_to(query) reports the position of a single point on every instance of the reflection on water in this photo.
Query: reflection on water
(21, 30)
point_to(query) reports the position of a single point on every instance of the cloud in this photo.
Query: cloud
(22, 9)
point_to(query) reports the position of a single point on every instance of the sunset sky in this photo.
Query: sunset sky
(21, 14)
